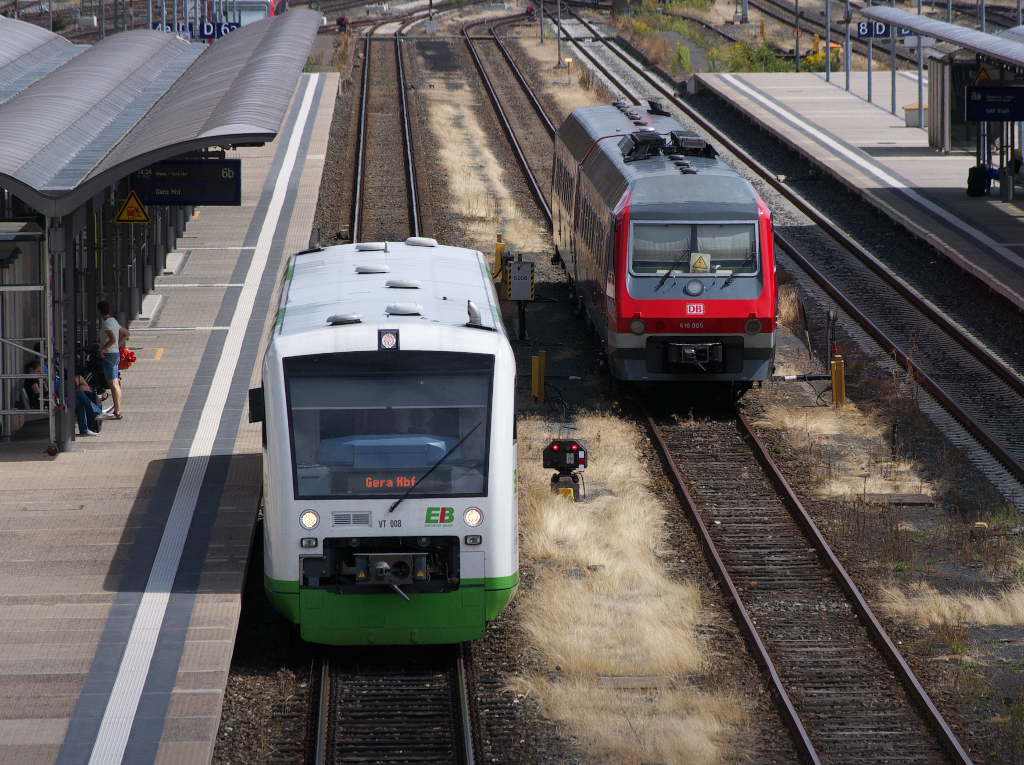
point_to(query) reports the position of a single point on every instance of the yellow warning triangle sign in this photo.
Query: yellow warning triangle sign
(132, 211)
(700, 264)
(982, 76)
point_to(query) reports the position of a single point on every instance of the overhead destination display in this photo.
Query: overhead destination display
(190, 182)
(995, 103)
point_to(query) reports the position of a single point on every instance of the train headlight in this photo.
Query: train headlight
(752, 327)
(309, 519)
(694, 287)
(473, 517)
(638, 326)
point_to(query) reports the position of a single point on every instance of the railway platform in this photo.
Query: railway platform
(123, 560)
(873, 153)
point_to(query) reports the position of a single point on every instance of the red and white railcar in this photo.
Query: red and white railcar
(668, 248)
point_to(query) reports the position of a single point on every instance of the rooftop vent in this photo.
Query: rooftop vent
(404, 309)
(641, 145)
(474, 316)
(421, 241)
(371, 246)
(403, 284)
(689, 143)
(345, 318)
(377, 268)
(657, 109)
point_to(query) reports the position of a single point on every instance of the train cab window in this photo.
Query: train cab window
(372, 424)
(732, 246)
(657, 248)
(660, 248)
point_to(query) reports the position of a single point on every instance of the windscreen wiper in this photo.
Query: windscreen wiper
(686, 254)
(448, 454)
(733, 274)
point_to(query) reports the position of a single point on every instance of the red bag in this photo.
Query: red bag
(126, 360)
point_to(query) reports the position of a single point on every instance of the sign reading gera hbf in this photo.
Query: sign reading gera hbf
(190, 182)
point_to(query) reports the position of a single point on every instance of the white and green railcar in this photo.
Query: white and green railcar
(388, 403)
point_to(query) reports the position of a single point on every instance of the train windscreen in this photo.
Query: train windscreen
(380, 424)
(660, 248)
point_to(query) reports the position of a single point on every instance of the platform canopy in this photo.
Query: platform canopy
(78, 118)
(1001, 50)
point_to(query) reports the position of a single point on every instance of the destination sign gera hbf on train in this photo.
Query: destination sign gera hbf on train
(190, 182)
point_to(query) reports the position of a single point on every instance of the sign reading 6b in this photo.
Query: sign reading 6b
(227, 172)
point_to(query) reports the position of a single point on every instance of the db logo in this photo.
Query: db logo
(694, 309)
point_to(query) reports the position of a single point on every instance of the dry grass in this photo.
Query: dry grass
(841, 446)
(926, 605)
(584, 89)
(602, 605)
(788, 309)
(667, 726)
(476, 180)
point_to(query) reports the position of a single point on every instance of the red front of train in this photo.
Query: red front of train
(669, 250)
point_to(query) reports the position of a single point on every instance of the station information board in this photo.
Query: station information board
(879, 29)
(995, 103)
(208, 30)
(190, 182)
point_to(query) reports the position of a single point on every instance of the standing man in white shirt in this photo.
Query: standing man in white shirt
(112, 337)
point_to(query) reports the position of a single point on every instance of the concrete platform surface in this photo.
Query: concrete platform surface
(873, 153)
(122, 561)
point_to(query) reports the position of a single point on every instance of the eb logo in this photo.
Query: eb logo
(440, 516)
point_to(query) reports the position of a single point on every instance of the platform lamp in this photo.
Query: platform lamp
(871, 57)
(847, 53)
(920, 65)
(828, 40)
(558, 36)
(892, 57)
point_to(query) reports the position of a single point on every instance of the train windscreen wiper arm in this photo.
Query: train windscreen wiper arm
(686, 254)
(433, 467)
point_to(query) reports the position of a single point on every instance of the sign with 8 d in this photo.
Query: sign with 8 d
(879, 29)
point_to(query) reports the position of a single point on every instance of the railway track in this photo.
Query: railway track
(785, 13)
(385, 167)
(844, 690)
(978, 389)
(393, 707)
(517, 109)
(846, 693)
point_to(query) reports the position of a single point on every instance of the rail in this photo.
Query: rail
(509, 132)
(358, 205)
(385, 708)
(847, 243)
(882, 641)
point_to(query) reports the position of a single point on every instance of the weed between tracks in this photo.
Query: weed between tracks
(949, 574)
(603, 607)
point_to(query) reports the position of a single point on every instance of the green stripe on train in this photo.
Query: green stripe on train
(387, 619)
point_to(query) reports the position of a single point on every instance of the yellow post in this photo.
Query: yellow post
(535, 373)
(499, 250)
(817, 45)
(838, 381)
(761, 33)
(542, 365)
